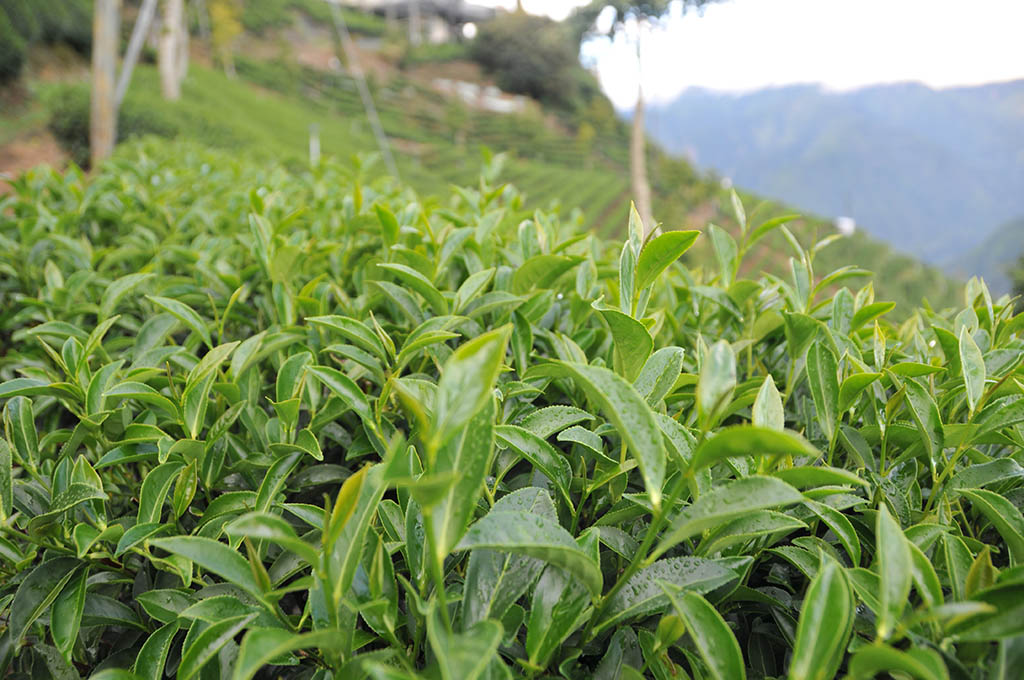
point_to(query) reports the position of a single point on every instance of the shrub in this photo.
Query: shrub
(432, 54)
(528, 55)
(12, 50)
(23, 18)
(78, 31)
(69, 109)
(255, 418)
(260, 16)
(66, 21)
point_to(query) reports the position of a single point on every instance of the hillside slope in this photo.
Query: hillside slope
(269, 109)
(930, 172)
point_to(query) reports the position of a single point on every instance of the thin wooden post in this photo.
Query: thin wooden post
(415, 23)
(314, 144)
(103, 111)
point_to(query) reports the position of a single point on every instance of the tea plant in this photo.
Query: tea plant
(305, 425)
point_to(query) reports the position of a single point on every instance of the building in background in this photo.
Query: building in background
(430, 21)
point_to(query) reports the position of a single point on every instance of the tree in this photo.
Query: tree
(644, 15)
(103, 113)
(172, 49)
(108, 87)
(226, 26)
(528, 55)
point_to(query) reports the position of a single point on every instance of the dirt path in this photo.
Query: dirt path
(26, 151)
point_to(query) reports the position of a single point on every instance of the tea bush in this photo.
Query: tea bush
(69, 120)
(309, 425)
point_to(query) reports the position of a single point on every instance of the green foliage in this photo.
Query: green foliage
(1017, 273)
(67, 21)
(301, 424)
(528, 55)
(23, 22)
(260, 16)
(434, 53)
(69, 120)
(12, 50)
(23, 18)
(999, 258)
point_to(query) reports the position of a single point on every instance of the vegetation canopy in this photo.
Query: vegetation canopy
(307, 424)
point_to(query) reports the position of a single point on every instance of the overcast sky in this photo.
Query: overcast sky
(748, 44)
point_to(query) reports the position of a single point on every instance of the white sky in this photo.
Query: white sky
(748, 44)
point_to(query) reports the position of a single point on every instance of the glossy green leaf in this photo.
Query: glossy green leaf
(66, 614)
(894, 569)
(206, 645)
(149, 664)
(633, 344)
(717, 381)
(261, 646)
(659, 374)
(116, 291)
(36, 592)
(756, 524)
(20, 428)
(186, 315)
(262, 525)
(824, 383)
(853, 386)
(214, 557)
(354, 331)
(1004, 516)
(749, 440)
(6, 480)
(542, 455)
(466, 655)
(711, 635)
(724, 504)
(870, 312)
(972, 364)
(534, 536)
(495, 580)
(919, 663)
(826, 622)
(343, 387)
(541, 271)
(621, 404)
(419, 283)
(767, 411)
(643, 594)
(467, 380)
(659, 253)
(469, 455)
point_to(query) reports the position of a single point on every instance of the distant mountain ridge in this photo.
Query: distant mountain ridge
(933, 172)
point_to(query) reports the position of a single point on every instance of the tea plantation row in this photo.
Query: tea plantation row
(305, 424)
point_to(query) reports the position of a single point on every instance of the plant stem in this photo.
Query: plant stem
(436, 567)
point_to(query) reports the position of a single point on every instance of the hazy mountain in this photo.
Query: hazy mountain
(933, 172)
(996, 256)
